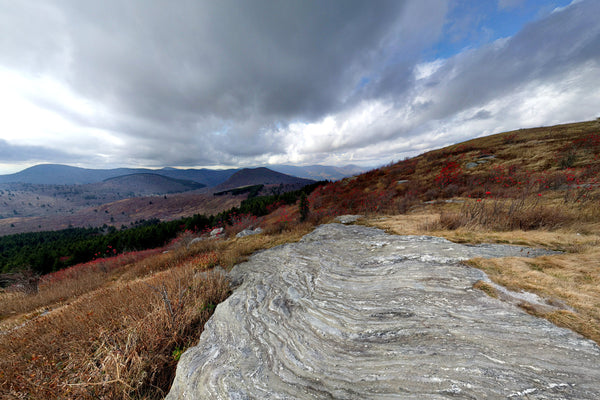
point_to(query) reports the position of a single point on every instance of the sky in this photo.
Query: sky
(202, 83)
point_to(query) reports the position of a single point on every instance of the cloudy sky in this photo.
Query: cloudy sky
(189, 83)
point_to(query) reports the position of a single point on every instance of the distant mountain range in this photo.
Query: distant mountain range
(124, 199)
(57, 174)
(145, 184)
(262, 176)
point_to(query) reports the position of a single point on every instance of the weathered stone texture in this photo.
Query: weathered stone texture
(350, 312)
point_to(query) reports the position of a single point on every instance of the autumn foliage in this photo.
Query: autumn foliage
(114, 327)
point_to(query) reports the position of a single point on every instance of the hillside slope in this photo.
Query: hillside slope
(122, 212)
(56, 174)
(319, 172)
(561, 161)
(262, 176)
(148, 184)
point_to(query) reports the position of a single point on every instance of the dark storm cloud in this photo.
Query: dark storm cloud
(167, 61)
(484, 90)
(165, 68)
(192, 82)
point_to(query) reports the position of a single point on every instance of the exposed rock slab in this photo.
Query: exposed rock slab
(350, 312)
(249, 232)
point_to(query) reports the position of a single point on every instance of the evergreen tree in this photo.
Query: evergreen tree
(303, 207)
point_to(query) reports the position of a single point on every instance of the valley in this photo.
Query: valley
(122, 200)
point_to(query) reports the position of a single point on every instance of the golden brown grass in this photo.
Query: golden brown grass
(121, 337)
(115, 342)
(571, 278)
(73, 282)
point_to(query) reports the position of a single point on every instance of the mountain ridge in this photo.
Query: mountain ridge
(148, 183)
(60, 174)
(262, 176)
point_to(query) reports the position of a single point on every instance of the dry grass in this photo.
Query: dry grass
(571, 278)
(115, 342)
(70, 283)
(121, 337)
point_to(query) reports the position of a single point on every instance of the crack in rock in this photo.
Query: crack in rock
(350, 312)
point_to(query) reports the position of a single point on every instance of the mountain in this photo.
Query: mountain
(262, 176)
(56, 174)
(146, 184)
(208, 177)
(319, 172)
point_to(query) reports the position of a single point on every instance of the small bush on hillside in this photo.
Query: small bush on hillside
(303, 207)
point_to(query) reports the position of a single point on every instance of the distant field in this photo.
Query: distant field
(123, 212)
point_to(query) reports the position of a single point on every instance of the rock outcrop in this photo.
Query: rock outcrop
(350, 312)
(249, 232)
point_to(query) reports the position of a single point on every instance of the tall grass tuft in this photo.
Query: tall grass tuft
(506, 214)
(120, 342)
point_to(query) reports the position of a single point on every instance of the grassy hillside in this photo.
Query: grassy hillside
(115, 327)
(149, 184)
(537, 187)
(122, 212)
(261, 176)
(559, 165)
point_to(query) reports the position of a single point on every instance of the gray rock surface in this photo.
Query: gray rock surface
(350, 312)
(216, 232)
(195, 241)
(249, 232)
(348, 219)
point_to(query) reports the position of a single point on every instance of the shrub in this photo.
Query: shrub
(303, 207)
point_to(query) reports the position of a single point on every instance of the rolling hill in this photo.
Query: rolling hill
(146, 184)
(263, 176)
(319, 172)
(555, 164)
(56, 174)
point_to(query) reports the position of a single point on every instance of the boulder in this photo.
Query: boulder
(348, 219)
(194, 241)
(249, 232)
(216, 232)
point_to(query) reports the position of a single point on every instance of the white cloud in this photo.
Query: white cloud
(199, 84)
(425, 70)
